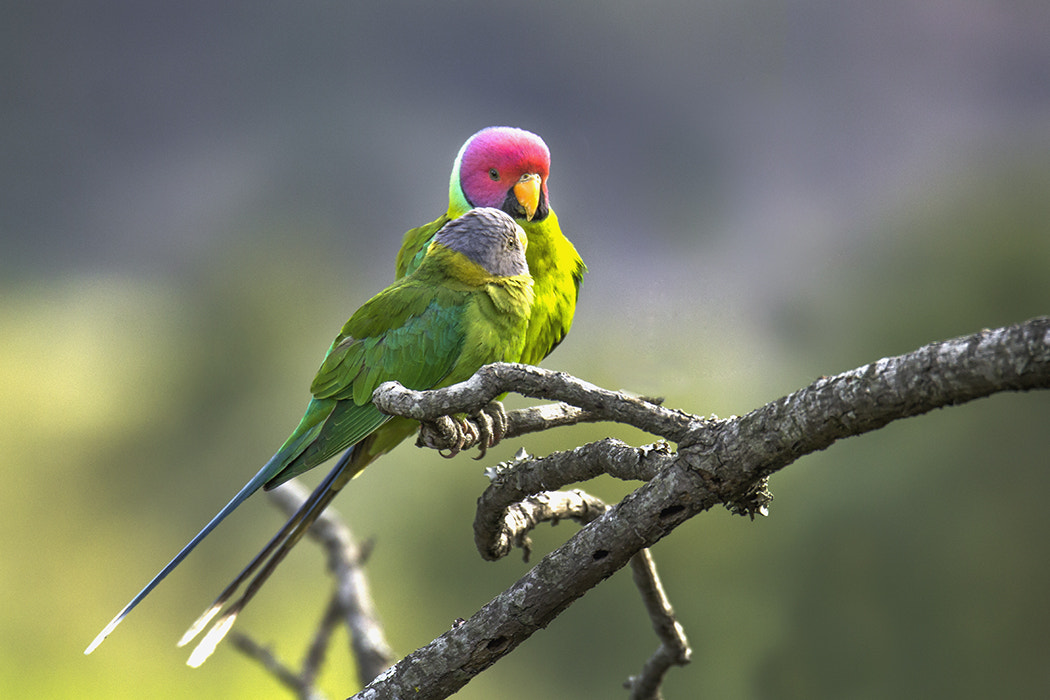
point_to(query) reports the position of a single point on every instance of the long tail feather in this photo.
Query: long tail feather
(251, 487)
(211, 640)
(227, 593)
(271, 555)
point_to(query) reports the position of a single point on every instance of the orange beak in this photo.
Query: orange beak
(527, 192)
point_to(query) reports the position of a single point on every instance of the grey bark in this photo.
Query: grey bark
(716, 462)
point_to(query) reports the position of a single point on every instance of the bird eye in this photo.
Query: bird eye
(493, 174)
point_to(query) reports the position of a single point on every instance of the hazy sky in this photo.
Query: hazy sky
(722, 145)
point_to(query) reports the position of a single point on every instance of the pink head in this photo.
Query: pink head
(505, 168)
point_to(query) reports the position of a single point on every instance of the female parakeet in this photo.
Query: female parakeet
(467, 304)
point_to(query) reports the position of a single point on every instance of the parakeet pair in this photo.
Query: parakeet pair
(471, 290)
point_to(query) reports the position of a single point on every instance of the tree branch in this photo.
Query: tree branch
(492, 380)
(285, 675)
(443, 434)
(351, 604)
(551, 506)
(737, 454)
(512, 482)
(717, 462)
(674, 647)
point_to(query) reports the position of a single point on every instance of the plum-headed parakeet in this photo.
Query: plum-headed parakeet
(507, 168)
(467, 304)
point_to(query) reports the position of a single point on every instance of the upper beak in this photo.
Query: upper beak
(527, 192)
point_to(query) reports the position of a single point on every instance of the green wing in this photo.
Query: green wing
(414, 246)
(405, 334)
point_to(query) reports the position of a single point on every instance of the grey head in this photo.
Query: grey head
(488, 237)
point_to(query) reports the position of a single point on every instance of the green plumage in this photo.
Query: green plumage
(555, 266)
(433, 328)
(466, 305)
(468, 294)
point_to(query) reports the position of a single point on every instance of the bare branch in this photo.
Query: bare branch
(318, 649)
(514, 481)
(351, 604)
(545, 416)
(492, 380)
(735, 455)
(674, 647)
(550, 506)
(724, 462)
(352, 599)
(440, 434)
(303, 689)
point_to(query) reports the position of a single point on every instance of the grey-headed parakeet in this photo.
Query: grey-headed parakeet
(467, 304)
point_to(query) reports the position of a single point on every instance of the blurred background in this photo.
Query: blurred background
(194, 196)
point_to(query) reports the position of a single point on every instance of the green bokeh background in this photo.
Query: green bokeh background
(195, 197)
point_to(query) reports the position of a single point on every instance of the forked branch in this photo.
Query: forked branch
(716, 462)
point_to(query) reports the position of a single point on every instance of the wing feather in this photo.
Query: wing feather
(419, 353)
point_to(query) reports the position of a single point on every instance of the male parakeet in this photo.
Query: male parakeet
(507, 168)
(467, 304)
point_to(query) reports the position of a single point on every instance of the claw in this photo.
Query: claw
(492, 425)
(494, 419)
(449, 453)
(439, 435)
(469, 434)
(455, 431)
(485, 427)
(450, 435)
(502, 422)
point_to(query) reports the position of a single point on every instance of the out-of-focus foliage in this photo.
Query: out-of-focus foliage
(196, 196)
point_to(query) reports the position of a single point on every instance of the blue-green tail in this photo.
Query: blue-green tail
(309, 427)
(274, 465)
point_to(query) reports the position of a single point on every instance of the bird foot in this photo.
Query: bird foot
(492, 425)
(450, 435)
